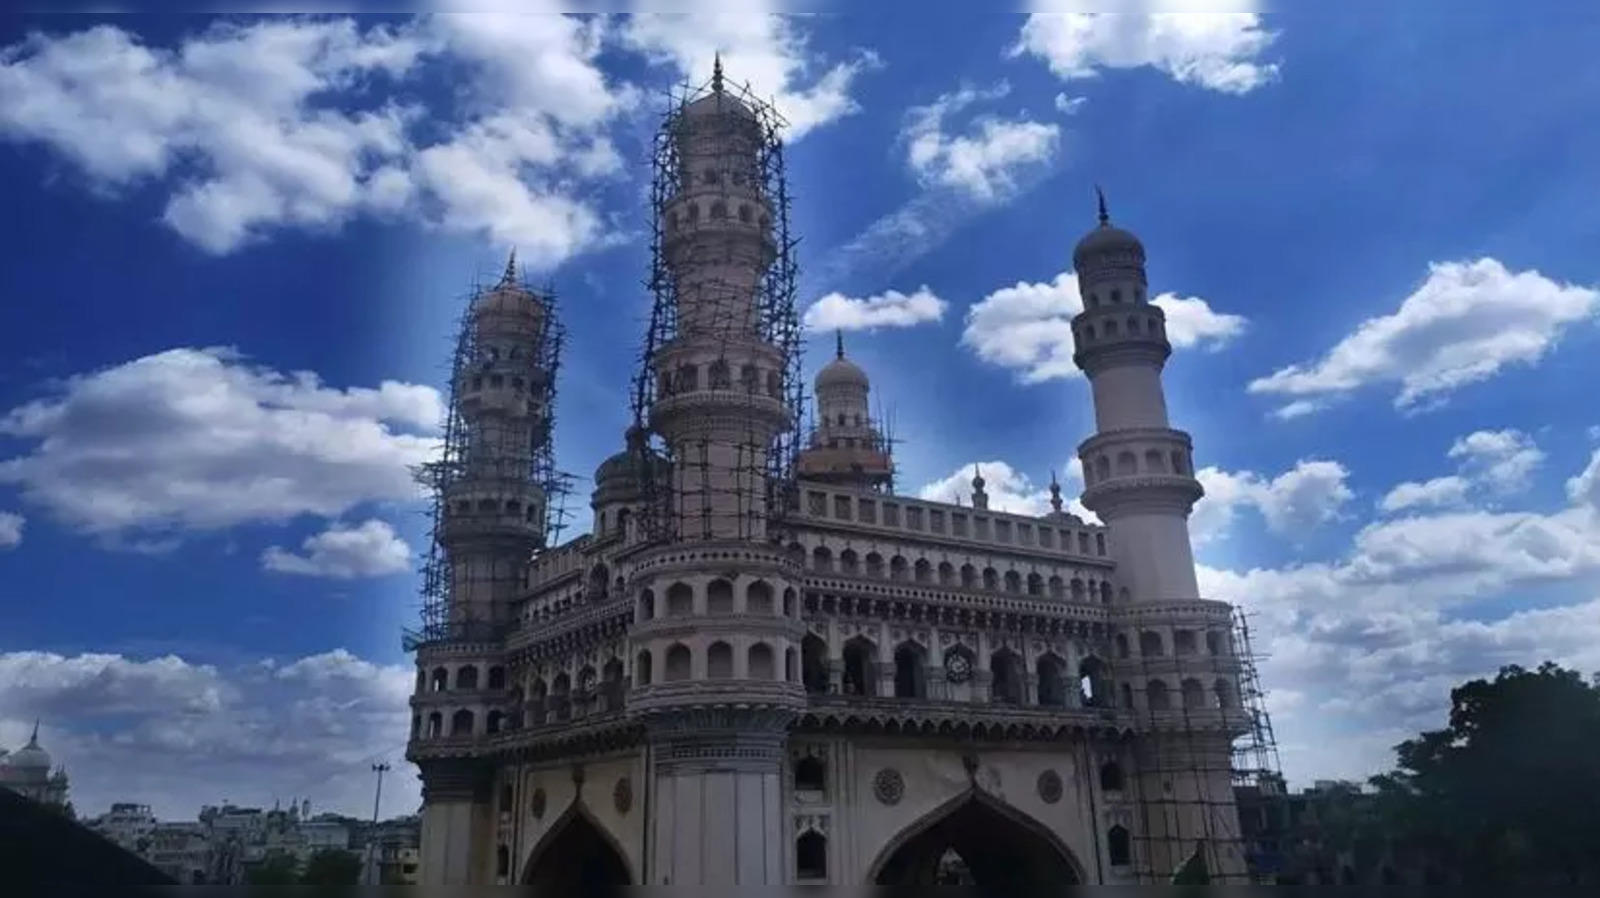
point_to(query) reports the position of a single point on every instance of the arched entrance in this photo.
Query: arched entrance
(575, 857)
(976, 840)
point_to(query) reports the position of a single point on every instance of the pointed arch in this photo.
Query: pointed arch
(1003, 845)
(576, 856)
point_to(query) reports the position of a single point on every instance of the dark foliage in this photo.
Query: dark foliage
(1510, 790)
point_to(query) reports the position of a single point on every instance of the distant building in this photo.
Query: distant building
(27, 772)
(182, 850)
(128, 824)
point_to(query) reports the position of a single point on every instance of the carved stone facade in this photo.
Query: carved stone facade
(866, 685)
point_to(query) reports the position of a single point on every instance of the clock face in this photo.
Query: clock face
(957, 666)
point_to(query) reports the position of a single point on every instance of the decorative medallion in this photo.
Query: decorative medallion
(957, 667)
(889, 786)
(536, 803)
(1050, 787)
(622, 795)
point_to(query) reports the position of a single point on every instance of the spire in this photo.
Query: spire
(1055, 493)
(716, 73)
(839, 336)
(510, 277)
(33, 741)
(1105, 217)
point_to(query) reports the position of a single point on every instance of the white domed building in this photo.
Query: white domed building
(30, 772)
(763, 666)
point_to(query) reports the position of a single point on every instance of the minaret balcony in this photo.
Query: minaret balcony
(1154, 493)
(712, 407)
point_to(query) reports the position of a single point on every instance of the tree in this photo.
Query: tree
(1506, 791)
(332, 867)
(276, 869)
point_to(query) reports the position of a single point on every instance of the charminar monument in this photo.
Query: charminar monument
(763, 666)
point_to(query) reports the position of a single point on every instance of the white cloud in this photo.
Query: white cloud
(888, 309)
(369, 550)
(199, 439)
(985, 161)
(1028, 326)
(1584, 489)
(766, 50)
(11, 529)
(309, 122)
(1192, 322)
(1008, 489)
(1436, 493)
(1465, 323)
(1311, 493)
(176, 734)
(1069, 105)
(1218, 51)
(1502, 459)
(1374, 639)
(1499, 461)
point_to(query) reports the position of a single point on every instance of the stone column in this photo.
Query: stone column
(457, 823)
(718, 808)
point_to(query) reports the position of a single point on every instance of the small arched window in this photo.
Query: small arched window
(810, 774)
(1156, 696)
(678, 663)
(719, 597)
(1150, 645)
(1111, 776)
(811, 856)
(461, 723)
(1118, 849)
(680, 600)
(760, 664)
(719, 661)
(641, 669)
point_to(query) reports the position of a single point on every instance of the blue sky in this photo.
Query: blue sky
(236, 248)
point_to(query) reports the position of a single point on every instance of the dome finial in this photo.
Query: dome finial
(980, 499)
(716, 73)
(510, 277)
(33, 741)
(1055, 492)
(1105, 217)
(838, 335)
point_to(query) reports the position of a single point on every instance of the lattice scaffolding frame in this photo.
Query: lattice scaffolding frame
(509, 459)
(764, 465)
(1195, 746)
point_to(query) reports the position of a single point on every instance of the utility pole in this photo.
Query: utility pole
(379, 770)
(370, 875)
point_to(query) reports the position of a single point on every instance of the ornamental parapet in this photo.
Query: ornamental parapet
(584, 625)
(955, 597)
(955, 719)
(729, 695)
(1213, 612)
(749, 623)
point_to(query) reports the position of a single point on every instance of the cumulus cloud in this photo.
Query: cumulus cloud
(309, 122)
(1436, 493)
(200, 439)
(370, 549)
(1373, 639)
(888, 309)
(765, 50)
(984, 162)
(1498, 462)
(1069, 105)
(1027, 327)
(175, 733)
(11, 529)
(1464, 324)
(1008, 489)
(1584, 489)
(1217, 51)
(1311, 493)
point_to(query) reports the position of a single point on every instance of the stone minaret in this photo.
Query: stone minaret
(717, 626)
(490, 520)
(847, 448)
(1139, 478)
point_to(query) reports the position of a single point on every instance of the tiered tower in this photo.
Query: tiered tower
(1139, 478)
(493, 484)
(847, 447)
(716, 629)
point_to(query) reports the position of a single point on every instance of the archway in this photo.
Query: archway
(575, 857)
(996, 845)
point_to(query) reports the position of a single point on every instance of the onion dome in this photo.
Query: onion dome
(1105, 240)
(30, 756)
(841, 371)
(507, 296)
(619, 478)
